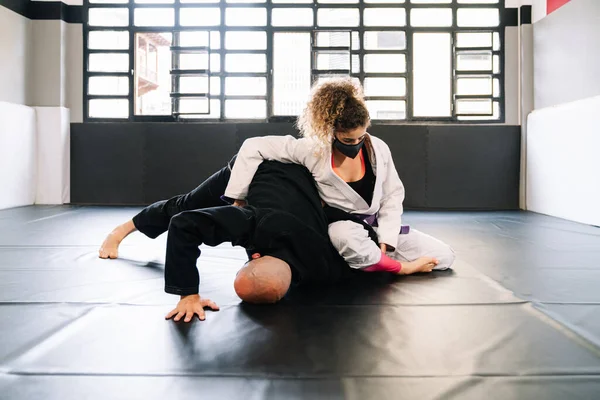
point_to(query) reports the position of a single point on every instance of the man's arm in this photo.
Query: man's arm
(187, 231)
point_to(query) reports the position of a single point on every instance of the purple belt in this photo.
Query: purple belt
(369, 219)
(372, 220)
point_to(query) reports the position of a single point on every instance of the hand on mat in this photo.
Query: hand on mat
(239, 203)
(189, 306)
(423, 264)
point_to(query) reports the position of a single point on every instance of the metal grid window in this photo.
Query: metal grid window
(169, 60)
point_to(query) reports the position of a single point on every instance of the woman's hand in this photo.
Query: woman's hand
(190, 306)
(386, 247)
(239, 203)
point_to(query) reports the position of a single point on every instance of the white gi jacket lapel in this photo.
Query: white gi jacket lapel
(378, 166)
(358, 203)
(354, 198)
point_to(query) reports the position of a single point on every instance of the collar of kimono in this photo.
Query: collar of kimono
(360, 205)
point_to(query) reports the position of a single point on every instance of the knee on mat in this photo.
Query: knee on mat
(446, 259)
(263, 280)
(338, 233)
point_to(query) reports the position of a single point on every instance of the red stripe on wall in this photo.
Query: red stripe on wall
(555, 4)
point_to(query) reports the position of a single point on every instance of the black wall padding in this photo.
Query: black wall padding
(526, 14)
(473, 167)
(443, 167)
(107, 163)
(408, 144)
(179, 157)
(45, 10)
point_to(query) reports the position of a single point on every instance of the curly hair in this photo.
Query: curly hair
(336, 104)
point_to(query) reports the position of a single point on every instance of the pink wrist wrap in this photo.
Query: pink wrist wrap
(386, 264)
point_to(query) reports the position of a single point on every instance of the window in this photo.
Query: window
(170, 60)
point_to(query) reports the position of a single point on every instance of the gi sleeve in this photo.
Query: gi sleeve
(389, 217)
(254, 151)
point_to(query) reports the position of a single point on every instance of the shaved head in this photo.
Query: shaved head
(263, 280)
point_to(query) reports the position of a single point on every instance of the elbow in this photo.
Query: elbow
(252, 150)
(247, 146)
(252, 143)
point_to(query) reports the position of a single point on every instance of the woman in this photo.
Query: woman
(354, 172)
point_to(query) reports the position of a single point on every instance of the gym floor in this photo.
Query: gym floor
(517, 318)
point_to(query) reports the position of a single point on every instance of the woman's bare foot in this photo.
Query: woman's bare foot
(423, 264)
(110, 247)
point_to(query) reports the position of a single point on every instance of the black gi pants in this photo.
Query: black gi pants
(154, 220)
(284, 219)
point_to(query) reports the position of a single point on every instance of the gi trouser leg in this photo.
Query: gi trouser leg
(190, 229)
(154, 220)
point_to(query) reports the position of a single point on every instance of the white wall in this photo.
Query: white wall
(15, 55)
(47, 63)
(74, 71)
(17, 122)
(57, 72)
(41, 65)
(563, 133)
(511, 75)
(538, 10)
(53, 155)
(517, 3)
(566, 55)
(35, 69)
(563, 166)
(526, 101)
(17, 155)
(34, 155)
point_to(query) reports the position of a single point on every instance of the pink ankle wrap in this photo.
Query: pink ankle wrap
(386, 264)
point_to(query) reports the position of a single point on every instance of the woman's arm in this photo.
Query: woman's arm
(254, 151)
(389, 217)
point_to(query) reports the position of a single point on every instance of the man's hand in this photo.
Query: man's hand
(239, 203)
(383, 247)
(189, 306)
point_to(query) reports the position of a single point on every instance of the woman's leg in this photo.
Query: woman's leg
(418, 244)
(154, 220)
(353, 243)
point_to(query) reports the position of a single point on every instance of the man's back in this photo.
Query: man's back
(289, 188)
(291, 223)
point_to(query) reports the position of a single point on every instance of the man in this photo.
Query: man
(283, 228)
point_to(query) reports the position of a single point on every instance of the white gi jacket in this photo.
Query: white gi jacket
(387, 197)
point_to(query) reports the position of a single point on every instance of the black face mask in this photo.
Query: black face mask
(349, 150)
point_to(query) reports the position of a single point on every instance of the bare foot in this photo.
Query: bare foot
(423, 264)
(110, 247)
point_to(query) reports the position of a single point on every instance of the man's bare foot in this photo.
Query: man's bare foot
(110, 247)
(423, 264)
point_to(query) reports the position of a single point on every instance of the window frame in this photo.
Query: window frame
(131, 29)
